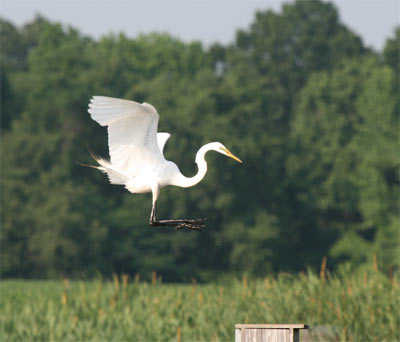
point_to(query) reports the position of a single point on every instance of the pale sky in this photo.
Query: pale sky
(205, 20)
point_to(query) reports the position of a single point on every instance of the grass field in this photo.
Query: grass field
(362, 306)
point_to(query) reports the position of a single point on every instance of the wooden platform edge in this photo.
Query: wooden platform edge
(271, 326)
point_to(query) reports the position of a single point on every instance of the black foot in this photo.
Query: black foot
(193, 224)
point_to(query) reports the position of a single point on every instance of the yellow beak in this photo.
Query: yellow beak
(230, 154)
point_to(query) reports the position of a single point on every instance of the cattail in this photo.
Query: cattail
(64, 297)
(178, 334)
(374, 263)
(83, 292)
(116, 283)
(124, 281)
(323, 267)
(125, 285)
(344, 337)
(100, 313)
(99, 286)
(74, 320)
(113, 302)
(267, 283)
(200, 298)
(338, 312)
(244, 288)
(390, 274)
(194, 286)
(153, 278)
(221, 294)
(372, 318)
(349, 290)
(371, 315)
(137, 278)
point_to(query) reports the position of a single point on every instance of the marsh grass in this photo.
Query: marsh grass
(361, 306)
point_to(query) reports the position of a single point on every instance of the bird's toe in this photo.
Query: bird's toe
(191, 226)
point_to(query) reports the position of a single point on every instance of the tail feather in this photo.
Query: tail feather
(92, 154)
(87, 165)
(114, 176)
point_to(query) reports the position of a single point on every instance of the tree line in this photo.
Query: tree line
(310, 109)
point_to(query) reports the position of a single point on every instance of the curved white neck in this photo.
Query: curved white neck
(187, 182)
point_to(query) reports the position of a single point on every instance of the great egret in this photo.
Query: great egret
(136, 153)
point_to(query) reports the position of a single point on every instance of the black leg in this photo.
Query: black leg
(194, 224)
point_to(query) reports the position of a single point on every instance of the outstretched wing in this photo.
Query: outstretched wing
(162, 138)
(132, 133)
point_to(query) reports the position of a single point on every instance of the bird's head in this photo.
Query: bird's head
(218, 147)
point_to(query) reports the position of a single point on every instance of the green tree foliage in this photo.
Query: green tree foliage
(16, 45)
(310, 111)
(345, 129)
(391, 52)
(8, 101)
(265, 69)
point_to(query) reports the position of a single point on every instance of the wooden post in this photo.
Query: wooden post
(268, 332)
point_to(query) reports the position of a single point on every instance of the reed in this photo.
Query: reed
(356, 306)
(322, 270)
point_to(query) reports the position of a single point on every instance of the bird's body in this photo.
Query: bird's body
(136, 152)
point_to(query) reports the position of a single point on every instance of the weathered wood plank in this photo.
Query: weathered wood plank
(268, 332)
(272, 326)
(251, 335)
(238, 335)
(259, 334)
(278, 335)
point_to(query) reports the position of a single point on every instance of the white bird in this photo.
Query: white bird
(136, 153)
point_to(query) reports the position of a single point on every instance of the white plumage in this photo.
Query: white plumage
(136, 152)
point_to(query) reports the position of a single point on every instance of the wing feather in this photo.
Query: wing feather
(162, 138)
(132, 133)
